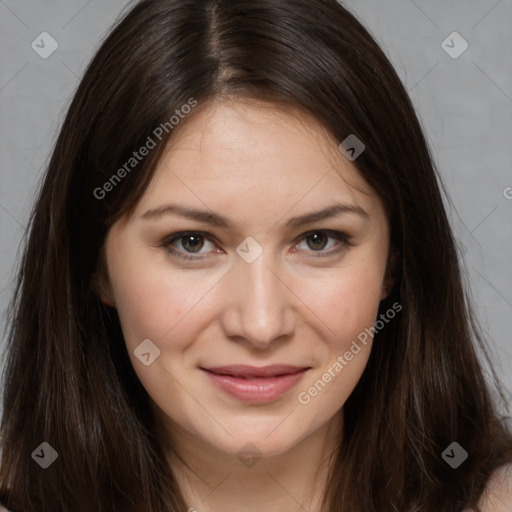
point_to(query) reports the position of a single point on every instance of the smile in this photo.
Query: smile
(255, 385)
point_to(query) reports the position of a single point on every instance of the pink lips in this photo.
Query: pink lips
(255, 384)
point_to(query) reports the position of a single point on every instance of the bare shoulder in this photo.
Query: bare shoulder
(3, 509)
(497, 496)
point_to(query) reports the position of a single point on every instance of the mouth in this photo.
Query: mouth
(255, 384)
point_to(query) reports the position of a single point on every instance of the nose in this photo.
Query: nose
(260, 308)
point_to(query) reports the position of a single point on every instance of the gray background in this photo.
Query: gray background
(464, 103)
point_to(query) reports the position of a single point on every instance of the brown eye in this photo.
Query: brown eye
(324, 243)
(318, 241)
(188, 245)
(192, 243)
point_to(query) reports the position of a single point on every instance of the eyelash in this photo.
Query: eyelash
(338, 235)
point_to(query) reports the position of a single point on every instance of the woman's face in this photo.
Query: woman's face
(226, 261)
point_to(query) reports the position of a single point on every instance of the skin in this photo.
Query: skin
(258, 166)
(497, 496)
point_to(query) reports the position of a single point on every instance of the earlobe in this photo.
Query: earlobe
(390, 277)
(105, 300)
(103, 291)
(102, 284)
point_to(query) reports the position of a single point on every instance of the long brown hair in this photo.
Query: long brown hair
(68, 378)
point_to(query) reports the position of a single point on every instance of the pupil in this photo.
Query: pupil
(193, 241)
(318, 238)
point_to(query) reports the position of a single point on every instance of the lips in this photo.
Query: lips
(255, 385)
(253, 372)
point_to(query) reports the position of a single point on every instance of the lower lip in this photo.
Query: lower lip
(259, 390)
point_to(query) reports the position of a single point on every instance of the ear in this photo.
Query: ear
(101, 282)
(391, 275)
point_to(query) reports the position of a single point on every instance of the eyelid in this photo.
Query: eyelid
(338, 235)
(168, 241)
(332, 233)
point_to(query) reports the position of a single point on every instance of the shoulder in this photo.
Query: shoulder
(497, 496)
(3, 509)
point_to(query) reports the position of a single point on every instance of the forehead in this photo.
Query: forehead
(255, 157)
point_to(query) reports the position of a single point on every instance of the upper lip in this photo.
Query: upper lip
(272, 370)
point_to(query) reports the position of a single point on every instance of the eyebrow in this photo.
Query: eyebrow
(214, 219)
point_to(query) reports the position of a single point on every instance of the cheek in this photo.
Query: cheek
(348, 303)
(139, 303)
(348, 306)
(152, 302)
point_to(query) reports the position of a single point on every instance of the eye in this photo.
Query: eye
(317, 241)
(190, 242)
(188, 245)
